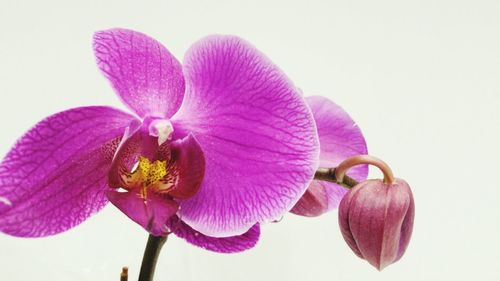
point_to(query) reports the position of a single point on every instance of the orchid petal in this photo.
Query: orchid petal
(232, 244)
(339, 138)
(190, 163)
(319, 197)
(257, 134)
(144, 74)
(151, 213)
(55, 175)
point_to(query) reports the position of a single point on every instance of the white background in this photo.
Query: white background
(422, 79)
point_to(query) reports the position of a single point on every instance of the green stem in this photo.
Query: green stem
(328, 174)
(150, 258)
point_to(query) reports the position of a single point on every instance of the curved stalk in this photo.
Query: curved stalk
(364, 159)
(338, 174)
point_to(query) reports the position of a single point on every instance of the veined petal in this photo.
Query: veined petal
(190, 163)
(152, 213)
(144, 74)
(257, 134)
(55, 175)
(319, 197)
(232, 244)
(339, 138)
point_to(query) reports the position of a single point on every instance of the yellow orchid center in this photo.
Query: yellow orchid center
(149, 175)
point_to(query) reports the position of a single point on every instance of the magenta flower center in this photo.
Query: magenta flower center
(157, 176)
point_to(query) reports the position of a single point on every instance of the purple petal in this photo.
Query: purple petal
(55, 175)
(257, 134)
(190, 163)
(318, 199)
(144, 74)
(151, 213)
(231, 244)
(339, 138)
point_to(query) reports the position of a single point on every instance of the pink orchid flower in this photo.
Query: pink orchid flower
(211, 148)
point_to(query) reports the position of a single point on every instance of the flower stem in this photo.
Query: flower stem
(151, 253)
(364, 159)
(328, 174)
(338, 176)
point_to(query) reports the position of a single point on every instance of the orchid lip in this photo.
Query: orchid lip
(151, 171)
(156, 176)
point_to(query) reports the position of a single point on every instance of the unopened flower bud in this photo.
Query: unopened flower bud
(376, 219)
(376, 216)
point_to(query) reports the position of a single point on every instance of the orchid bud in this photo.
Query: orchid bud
(376, 216)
